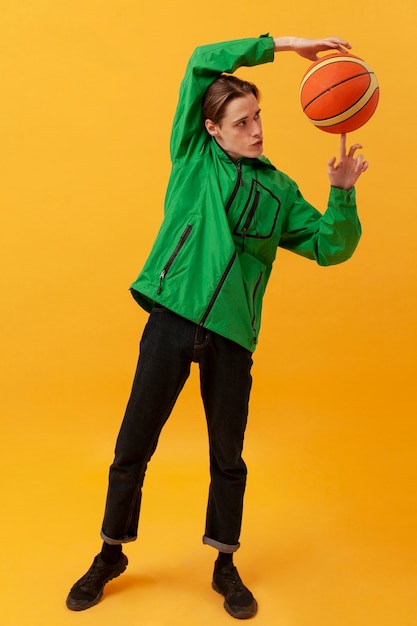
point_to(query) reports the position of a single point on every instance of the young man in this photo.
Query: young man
(227, 210)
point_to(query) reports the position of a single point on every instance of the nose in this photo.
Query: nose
(257, 128)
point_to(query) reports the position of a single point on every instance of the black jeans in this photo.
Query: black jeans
(169, 345)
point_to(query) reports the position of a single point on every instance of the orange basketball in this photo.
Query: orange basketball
(339, 93)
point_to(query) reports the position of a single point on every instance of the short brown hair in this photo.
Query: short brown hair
(221, 92)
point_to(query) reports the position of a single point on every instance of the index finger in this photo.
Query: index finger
(343, 144)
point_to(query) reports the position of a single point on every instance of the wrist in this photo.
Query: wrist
(282, 44)
(343, 188)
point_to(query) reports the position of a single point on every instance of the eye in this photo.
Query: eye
(242, 123)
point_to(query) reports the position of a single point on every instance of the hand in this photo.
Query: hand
(345, 174)
(308, 48)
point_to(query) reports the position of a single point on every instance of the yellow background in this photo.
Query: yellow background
(329, 538)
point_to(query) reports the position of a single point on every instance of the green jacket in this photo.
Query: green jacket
(223, 221)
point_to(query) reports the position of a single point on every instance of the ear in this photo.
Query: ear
(211, 127)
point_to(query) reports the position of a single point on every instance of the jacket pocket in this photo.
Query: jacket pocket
(260, 213)
(255, 276)
(183, 238)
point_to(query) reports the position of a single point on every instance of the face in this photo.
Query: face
(240, 131)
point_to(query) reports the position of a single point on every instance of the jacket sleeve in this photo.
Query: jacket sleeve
(327, 239)
(205, 65)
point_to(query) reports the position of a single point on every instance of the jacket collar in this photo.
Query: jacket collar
(260, 161)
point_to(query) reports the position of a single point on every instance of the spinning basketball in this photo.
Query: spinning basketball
(339, 93)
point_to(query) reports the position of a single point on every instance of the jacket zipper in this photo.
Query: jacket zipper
(174, 255)
(218, 289)
(239, 183)
(258, 282)
(249, 218)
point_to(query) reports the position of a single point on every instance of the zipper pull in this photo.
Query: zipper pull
(161, 278)
(243, 238)
(239, 174)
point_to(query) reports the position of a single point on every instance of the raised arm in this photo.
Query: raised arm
(308, 48)
(205, 65)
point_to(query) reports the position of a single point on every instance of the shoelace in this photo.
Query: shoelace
(233, 577)
(94, 572)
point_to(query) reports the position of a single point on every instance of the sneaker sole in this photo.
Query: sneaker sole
(73, 605)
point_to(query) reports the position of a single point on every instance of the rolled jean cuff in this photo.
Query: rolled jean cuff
(221, 547)
(116, 542)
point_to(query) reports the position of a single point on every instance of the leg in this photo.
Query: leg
(225, 385)
(163, 367)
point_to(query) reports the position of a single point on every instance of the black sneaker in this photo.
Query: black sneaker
(238, 600)
(89, 589)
